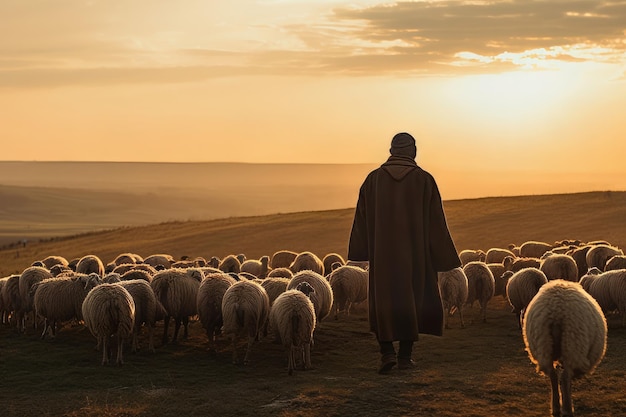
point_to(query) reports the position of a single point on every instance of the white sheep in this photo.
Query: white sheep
(281, 272)
(282, 259)
(245, 310)
(59, 300)
(230, 264)
(580, 257)
(494, 255)
(480, 284)
(559, 266)
(533, 249)
(608, 289)
(515, 264)
(127, 258)
(160, 259)
(349, 285)
(292, 319)
(148, 310)
(469, 255)
(361, 264)
(28, 278)
(598, 255)
(498, 271)
(133, 274)
(275, 286)
(615, 262)
(209, 303)
(331, 259)
(11, 297)
(177, 290)
(109, 312)
(90, 264)
(4, 313)
(564, 327)
(259, 268)
(453, 287)
(52, 260)
(323, 298)
(307, 261)
(521, 287)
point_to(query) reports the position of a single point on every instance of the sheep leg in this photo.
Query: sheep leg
(151, 338)
(554, 392)
(461, 316)
(235, 358)
(104, 342)
(307, 355)
(166, 323)
(186, 327)
(567, 408)
(246, 358)
(120, 354)
(45, 329)
(176, 330)
(291, 359)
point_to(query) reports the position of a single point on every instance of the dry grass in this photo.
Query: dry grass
(481, 370)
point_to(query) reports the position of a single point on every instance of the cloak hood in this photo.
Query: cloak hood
(399, 166)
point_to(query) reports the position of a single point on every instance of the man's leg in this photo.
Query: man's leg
(387, 357)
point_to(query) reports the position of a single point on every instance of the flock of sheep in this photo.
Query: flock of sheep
(559, 292)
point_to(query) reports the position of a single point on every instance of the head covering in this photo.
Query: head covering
(403, 144)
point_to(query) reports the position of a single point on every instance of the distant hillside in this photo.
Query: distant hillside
(475, 223)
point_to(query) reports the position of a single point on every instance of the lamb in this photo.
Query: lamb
(90, 264)
(162, 259)
(109, 311)
(494, 255)
(245, 310)
(522, 287)
(28, 278)
(307, 261)
(230, 264)
(282, 259)
(469, 255)
(209, 304)
(533, 249)
(615, 262)
(349, 285)
(480, 284)
(275, 286)
(564, 327)
(559, 266)
(58, 300)
(177, 290)
(281, 272)
(147, 310)
(258, 268)
(323, 297)
(453, 287)
(329, 260)
(599, 255)
(292, 319)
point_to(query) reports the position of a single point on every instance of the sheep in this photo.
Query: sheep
(599, 255)
(329, 259)
(245, 310)
(580, 257)
(559, 266)
(126, 258)
(258, 268)
(522, 286)
(281, 272)
(480, 285)
(533, 249)
(469, 255)
(349, 285)
(608, 289)
(4, 313)
(11, 297)
(230, 264)
(60, 269)
(111, 278)
(615, 262)
(361, 264)
(307, 261)
(565, 328)
(109, 311)
(323, 297)
(162, 259)
(282, 259)
(494, 255)
(90, 264)
(515, 264)
(136, 274)
(52, 260)
(214, 262)
(28, 278)
(147, 310)
(453, 287)
(177, 290)
(275, 286)
(58, 300)
(513, 248)
(292, 319)
(209, 303)
(498, 270)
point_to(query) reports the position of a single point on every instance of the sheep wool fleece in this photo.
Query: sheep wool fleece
(400, 228)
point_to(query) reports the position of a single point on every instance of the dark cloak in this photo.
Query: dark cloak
(400, 228)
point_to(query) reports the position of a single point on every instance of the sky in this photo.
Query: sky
(491, 90)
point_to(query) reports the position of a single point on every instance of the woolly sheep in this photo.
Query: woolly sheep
(52, 260)
(90, 264)
(307, 261)
(162, 259)
(282, 259)
(111, 278)
(292, 319)
(513, 248)
(127, 258)
(453, 287)
(245, 310)
(469, 255)
(136, 274)
(58, 300)
(323, 297)
(109, 312)
(533, 249)
(209, 303)
(281, 272)
(349, 285)
(480, 285)
(608, 289)
(559, 266)
(564, 327)
(275, 286)
(230, 264)
(361, 264)
(615, 262)
(580, 257)
(494, 255)
(498, 270)
(4, 313)
(177, 291)
(11, 297)
(515, 264)
(259, 268)
(598, 255)
(147, 310)
(59, 269)
(522, 287)
(329, 259)
(28, 278)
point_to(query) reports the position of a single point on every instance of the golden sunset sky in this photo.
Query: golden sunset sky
(491, 90)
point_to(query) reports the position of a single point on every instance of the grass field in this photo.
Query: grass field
(481, 370)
